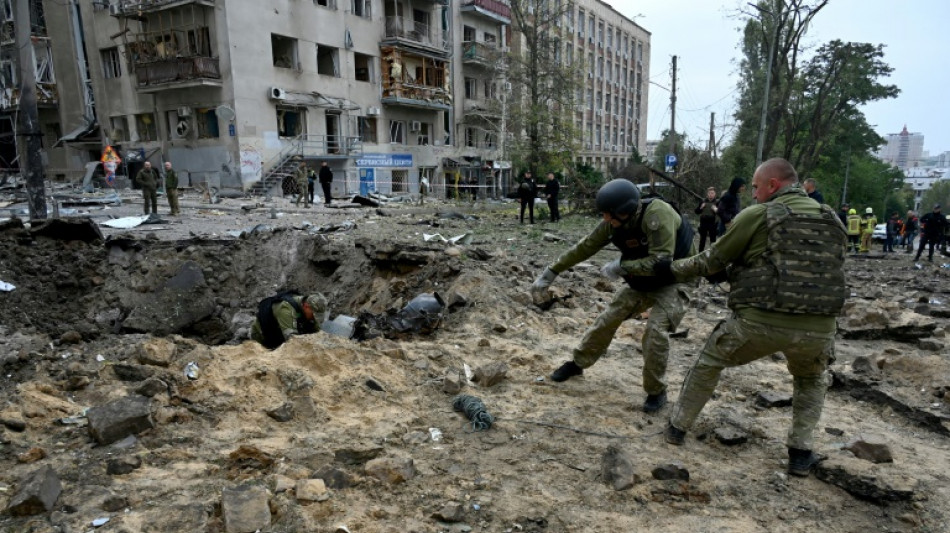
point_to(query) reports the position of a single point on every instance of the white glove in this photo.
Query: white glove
(612, 270)
(544, 280)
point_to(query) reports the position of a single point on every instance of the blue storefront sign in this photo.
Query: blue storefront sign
(384, 161)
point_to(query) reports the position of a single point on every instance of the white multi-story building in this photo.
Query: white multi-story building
(903, 150)
(921, 180)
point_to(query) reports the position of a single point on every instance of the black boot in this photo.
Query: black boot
(674, 435)
(800, 462)
(654, 402)
(566, 372)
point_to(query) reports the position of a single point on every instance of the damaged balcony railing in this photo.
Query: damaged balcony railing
(473, 51)
(410, 30)
(177, 69)
(135, 6)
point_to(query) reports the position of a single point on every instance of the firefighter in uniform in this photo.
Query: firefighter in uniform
(854, 231)
(867, 229)
(784, 259)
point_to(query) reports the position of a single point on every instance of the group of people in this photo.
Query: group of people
(149, 180)
(716, 214)
(783, 258)
(306, 179)
(528, 192)
(933, 228)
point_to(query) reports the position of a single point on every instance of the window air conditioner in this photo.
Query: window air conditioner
(415, 125)
(372, 111)
(184, 111)
(276, 93)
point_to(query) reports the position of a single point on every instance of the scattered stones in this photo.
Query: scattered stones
(70, 337)
(114, 504)
(157, 352)
(866, 480)
(333, 477)
(36, 494)
(930, 345)
(879, 319)
(356, 456)
(452, 382)
(245, 509)
(123, 465)
(281, 483)
(451, 512)
(16, 425)
(863, 365)
(731, 436)
(834, 431)
(772, 399)
(32, 455)
(671, 471)
(152, 387)
(251, 458)
(491, 374)
(284, 413)
(617, 469)
(311, 490)
(392, 470)
(871, 448)
(126, 372)
(120, 418)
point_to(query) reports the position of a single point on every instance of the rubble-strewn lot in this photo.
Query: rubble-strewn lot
(98, 419)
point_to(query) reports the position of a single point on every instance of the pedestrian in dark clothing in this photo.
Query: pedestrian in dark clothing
(911, 228)
(729, 204)
(147, 179)
(326, 178)
(707, 218)
(932, 225)
(811, 188)
(892, 232)
(527, 192)
(311, 182)
(551, 190)
(843, 214)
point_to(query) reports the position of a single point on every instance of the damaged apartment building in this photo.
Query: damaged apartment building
(230, 91)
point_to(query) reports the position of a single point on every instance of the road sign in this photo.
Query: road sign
(670, 160)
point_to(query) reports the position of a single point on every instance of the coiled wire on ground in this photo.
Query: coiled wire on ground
(475, 410)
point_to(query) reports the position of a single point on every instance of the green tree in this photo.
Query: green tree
(938, 194)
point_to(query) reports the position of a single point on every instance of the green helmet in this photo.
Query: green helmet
(618, 197)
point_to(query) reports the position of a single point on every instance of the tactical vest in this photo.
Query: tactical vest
(633, 244)
(854, 225)
(270, 329)
(801, 271)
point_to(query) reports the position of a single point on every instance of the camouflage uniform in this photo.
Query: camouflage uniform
(147, 178)
(300, 175)
(171, 191)
(287, 316)
(660, 223)
(804, 330)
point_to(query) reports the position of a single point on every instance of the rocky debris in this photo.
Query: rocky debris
(311, 490)
(670, 471)
(391, 470)
(452, 382)
(866, 480)
(879, 319)
(871, 391)
(36, 494)
(773, 399)
(72, 229)
(127, 372)
(930, 345)
(183, 294)
(13, 424)
(284, 413)
(245, 509)
(152, 387)
(452, 512)
(32, 455)
(114, 504)
(248, 457)
(491, 374)
(70, 337)
(157, 352)
(120, 466)
(333, 477)
(863, 365)
(356, 456)
(120, 418)
(617, 469)
(871, 448)
(731, 436)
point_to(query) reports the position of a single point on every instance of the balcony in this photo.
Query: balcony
(414, 35)
(414, 80)
(46, 96)
(482, 108)
(483, 54)
(135, 8)
(492, 9)
(177, 73)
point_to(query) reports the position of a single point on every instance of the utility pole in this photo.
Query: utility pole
(673, 111)
(847, 171)
(29, 147)
(711, 148)
(768, 76)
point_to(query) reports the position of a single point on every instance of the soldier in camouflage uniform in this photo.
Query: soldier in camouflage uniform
(287, 314)
(785, 259)
(644, 232)
(300, 176)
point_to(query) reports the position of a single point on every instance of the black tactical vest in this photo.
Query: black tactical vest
(270, 329)
(632, 242)
(801, 271)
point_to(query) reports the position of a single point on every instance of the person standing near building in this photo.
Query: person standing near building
(811, 188)
(854, 231)
(784, 258)
(527, 192)
(707, 218)
(645, 232)
(147, 179)
(326, 178)
(729, 204)
(891, 232)
(171, 188)
(911, 228)
(931, 231)
(867, 229)
(843, 214)
(311, 183)
(552, 189)
(300, 176)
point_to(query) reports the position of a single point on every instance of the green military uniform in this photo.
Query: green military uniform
(793, 314)
(659, 223)
(300, 176)
(147, 179)
(171, 190)
(287, 317)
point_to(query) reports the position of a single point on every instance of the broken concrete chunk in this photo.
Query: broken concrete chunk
(866, 480)
(120, 418)
(311, 490)
(731, 436)
(617, 469)
(126, 372)
(114, 504)
(13, 424)
(671, 471)
(333, 477)
(491, 374)
(392, 470)
(36, 494)
(863, 365)
(284, 413)
(871, 448)
(123, 465)
(451, 512)
(157, 352)
(930, 345)
(452, 382)
(245, 509)
(356, 456)
(151, 387)
(773, 399)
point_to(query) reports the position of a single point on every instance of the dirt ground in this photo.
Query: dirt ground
(93, 322)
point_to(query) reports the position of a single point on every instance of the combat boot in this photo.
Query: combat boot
(800, 462)
(566, 372)
(674, 435)
(654, 402)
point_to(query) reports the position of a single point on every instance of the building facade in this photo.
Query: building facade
(903, 150)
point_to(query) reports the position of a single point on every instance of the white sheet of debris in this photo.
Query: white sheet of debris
(125, 222)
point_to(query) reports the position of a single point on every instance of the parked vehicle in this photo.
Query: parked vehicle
(880, 232)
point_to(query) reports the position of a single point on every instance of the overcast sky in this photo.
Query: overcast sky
(704, 35)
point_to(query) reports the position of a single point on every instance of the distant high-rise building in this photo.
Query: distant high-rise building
(903, 150)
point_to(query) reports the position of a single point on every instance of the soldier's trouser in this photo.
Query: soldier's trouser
(737, 341)
(669, 305)
(172, 195)
(302, 190)
(150, 196)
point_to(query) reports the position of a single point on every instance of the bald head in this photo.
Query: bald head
(771, 176)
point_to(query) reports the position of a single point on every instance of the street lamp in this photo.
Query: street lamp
(768, 80)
